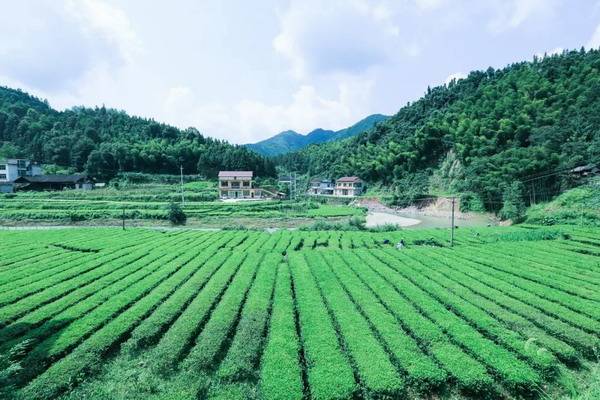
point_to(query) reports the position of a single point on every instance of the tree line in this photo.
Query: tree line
(104, 142)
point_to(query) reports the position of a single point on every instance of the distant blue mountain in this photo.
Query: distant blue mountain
(288, 141)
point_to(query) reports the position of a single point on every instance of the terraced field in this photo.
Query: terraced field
(28, 207)
(106, 313)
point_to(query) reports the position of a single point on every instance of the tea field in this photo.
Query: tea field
(146, 314)
(35, 207)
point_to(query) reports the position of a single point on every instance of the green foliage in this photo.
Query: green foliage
(9, 368)
(470, 201)
(410, 188)
(8, 150)
(478, 134)
(578, 206)
(448, 177)
(104, 142)
(176, 215)
(513, 206)
(56, 169)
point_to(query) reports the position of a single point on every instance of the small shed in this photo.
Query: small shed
(54, 182)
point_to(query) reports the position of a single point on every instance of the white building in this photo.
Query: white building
(348, 186)
(14, 168)
(238, 185)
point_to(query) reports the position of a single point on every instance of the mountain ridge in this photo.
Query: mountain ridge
(290, 140)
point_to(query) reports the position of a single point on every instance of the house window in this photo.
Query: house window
(2, 167)
(246, 183)
(224, 183)
(2, 176)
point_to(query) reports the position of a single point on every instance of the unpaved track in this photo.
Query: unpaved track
(375, 219)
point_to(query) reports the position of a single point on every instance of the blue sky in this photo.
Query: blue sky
(245, 70)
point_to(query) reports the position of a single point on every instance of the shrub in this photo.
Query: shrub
(513, 206)
(470, 201)
(353, 224)
(76, 217)
(176, 215)
(386, 228)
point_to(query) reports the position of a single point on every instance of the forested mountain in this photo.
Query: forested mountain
(480, 134)
(287, 141)
(105, 141)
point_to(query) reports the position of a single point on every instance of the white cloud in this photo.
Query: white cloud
(594, 41)
(510, 14)
(253, 120)
(112, 24)
(455, 76)
(50, 46)
(429, 5)
(336, 36)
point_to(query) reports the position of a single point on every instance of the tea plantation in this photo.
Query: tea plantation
(181, 314)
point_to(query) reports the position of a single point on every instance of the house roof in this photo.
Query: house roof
(238, 174)
(349, 179)
(52, 179)
(11, 161)
(584, 168)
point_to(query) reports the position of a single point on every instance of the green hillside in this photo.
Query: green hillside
(288, 141)
(578, 206)
(480, 134)
(104, 141)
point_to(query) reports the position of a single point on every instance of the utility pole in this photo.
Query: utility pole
(452, 231)
(181, 176)
(295, 187)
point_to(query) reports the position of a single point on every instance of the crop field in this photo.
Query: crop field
(36, 207)
(182, 314)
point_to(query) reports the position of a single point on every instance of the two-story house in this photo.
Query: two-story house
(348, 186)
(238, 185)
(321, 187)
(14, 168)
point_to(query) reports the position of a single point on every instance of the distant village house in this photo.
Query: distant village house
(54, 182)
(346, 186)
(238, 185)
(22, 174)
(321, 187)
(14, 168)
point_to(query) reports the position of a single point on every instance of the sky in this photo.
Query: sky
(246, 70)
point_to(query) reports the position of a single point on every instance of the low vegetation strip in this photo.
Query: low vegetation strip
(280, 368)
(298, 315)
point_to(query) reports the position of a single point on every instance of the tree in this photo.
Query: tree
(513, 206)
(176, 215)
